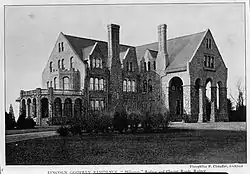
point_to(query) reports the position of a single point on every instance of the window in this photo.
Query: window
(127, 66)
(93, 63)
(97, 105)
(145, 66)
(124, 85)
(51, 84)
(55, 82)
(209, 43)
(62, 46)
(59, 47)
(97, 63)
(148, 66)
(154, 65)
(145, 86)
(101, 84)
(71, 62)
(104, 84)
(47, 84)
(96, 84)
(129, 86)
(91, 84)
(150, 88)
(100, 61)
(133, 86)
(50, 66)
(65, 83)
(209, 61)
(130, 67)
(92, 104)
(59, 62)
(102, 104)
(63, 64)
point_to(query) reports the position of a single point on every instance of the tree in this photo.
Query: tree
(10, 122)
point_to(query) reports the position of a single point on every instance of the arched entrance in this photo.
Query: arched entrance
(208, 98)
(176, 98)
(34, 108)
(29, 107)
(78, 108)
(44, 108)
(23, 108)
(68, 108)
(57, 111)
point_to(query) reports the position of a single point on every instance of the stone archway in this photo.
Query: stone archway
(67, 108)
(34, 114)
(23, 108)
(176, 98)
(57, 111)
(78, 108)
(29, 108)
(44, 108)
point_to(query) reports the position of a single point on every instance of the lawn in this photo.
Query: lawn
(174, 147)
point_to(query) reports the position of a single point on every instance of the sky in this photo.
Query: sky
(31, 33)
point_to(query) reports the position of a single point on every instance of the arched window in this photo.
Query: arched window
(127, 66)
(150, 88)
(129, 86)
(62, 46)
(154, 65)
(59, 64)
(55, 83)
(97, 105)
(65, 83)
(145, 66)
(63, 64)
(92, 104)
(102, 104)
(124, 85)
(59, 47)
(101, 84)
(50, 66)
(96, 84)
(91, 84)
(145, 86)
(71, 62)
(133, 86)
(93, 63)
(148, 66)
(51, 84)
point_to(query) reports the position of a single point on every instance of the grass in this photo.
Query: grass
(174, 147)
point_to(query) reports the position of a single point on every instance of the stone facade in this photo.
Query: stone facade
(170, 75)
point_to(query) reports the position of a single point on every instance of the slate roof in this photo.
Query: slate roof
(180, 49)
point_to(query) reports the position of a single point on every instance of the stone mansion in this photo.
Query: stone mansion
(85, 75)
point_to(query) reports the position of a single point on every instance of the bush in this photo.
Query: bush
(105, 121)
(10, 122)
(25, 123)
(63, 131)
(120, 121)
(134, 119)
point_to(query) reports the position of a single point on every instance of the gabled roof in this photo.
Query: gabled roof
(180, 50)
(83, 46)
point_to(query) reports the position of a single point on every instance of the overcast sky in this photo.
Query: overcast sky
(31, 32)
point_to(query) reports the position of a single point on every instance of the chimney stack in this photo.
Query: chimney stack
(113, 44)
(162, 47)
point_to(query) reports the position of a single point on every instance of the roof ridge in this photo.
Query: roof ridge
(178, 37)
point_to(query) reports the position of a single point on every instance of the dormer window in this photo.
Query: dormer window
(59, 64)
(130, 67)
(145, 66)
(63, 64)
(154, 65)
(149, 66)
(127, 66)
(62, 46)
(59, 47)
(96, 63)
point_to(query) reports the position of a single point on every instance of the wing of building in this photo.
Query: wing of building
(84, 75)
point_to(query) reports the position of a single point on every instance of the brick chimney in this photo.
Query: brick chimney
(113, 44)
(162, 57)
(114, 65)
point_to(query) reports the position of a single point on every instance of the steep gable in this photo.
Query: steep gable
(180, 50)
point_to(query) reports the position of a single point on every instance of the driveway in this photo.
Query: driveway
(27, 136)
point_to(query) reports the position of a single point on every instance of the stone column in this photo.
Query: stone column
(186, 99)
(50, 100)
(213, 104)
(73, 105)
(223, 116)
(202, 109)
(27, 110)
(38, 106)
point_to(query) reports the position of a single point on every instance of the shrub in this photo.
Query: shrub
(120, 121)
(63, 131)
(25, 123)
(134, 119)
(10, 122)
(105, 121)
